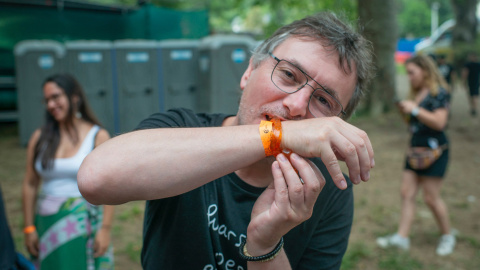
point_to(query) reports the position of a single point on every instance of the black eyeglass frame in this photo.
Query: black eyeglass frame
(321, 88)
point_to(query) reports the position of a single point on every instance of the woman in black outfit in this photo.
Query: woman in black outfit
(427, 113)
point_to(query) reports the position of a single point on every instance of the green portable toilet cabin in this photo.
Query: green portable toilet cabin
(35, 60)
(90, 61)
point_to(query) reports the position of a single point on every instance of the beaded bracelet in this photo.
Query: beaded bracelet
(264, 258)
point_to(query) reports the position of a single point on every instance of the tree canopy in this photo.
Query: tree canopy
(263, 17)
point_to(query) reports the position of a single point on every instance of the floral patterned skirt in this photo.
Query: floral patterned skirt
(66, 228)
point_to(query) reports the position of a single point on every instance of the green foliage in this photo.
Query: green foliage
(255, 16)
(462, 50)
(414, 17)
(264, 17)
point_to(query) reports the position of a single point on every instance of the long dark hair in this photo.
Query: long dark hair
(50, 132)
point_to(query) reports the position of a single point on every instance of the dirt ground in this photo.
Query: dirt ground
(377, 203)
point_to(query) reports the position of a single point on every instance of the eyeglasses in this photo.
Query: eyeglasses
(289, 79)
(54, 98)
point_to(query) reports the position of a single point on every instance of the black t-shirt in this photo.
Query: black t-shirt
(422, 135)
(203, 228)
(473, 73)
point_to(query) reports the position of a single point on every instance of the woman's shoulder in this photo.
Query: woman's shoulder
(35, 137)
(443, 93)
(101, 136)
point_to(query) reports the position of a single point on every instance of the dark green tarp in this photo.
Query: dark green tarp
(19, 23)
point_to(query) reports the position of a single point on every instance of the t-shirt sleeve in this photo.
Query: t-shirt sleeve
(181, 118)
(442, 100)
(171, 118)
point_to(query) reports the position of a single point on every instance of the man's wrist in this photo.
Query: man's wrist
(244, 254)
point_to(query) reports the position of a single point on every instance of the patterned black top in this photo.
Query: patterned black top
(422, 135)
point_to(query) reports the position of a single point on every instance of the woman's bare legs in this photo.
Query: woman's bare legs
(431, 192)
(409, 190)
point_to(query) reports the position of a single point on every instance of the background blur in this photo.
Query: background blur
(134, 58)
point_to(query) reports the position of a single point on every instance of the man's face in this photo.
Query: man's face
(262, 100)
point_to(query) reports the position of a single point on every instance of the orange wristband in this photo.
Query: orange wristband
(271, 135)
(277, 137)
(29, 229)
(266, 129)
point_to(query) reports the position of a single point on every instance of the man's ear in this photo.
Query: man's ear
(246, 75)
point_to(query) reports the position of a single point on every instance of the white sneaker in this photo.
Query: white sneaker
(394, 240)
(446, 244)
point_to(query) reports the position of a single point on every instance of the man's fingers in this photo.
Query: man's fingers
(314, 185)
(292, 179)
(359, 154)
(281, 189)
(331, 162)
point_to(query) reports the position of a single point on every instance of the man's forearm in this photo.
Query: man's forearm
(157, 163)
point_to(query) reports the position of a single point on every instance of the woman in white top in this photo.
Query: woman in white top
(62, 230)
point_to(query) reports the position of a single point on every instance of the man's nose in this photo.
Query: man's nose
(297, 103)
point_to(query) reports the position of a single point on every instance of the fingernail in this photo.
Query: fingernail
(295, 156)
(275, 165)
(358, 179)
(372, 163)
(343, 184)
(366, 176)
(282, 158)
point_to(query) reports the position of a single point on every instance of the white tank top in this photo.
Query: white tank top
(61, 180)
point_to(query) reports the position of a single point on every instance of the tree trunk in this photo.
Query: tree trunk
(378, 18)
(464, 32)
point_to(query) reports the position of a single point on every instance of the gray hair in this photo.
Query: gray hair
(334, 34)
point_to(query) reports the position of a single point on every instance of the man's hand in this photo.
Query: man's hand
(331, 139)
(285, 203)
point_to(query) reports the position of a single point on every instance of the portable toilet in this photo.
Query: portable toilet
(178, 73)
(90, 62)
(137, 83)
(222, 61)
(35, 60)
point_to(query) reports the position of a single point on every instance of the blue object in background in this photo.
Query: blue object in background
(407, 44)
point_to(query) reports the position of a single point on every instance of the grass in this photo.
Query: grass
(355, 253)
(397, 260)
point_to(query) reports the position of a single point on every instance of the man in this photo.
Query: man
(214, 200)
(446, 70)
(471, 75)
